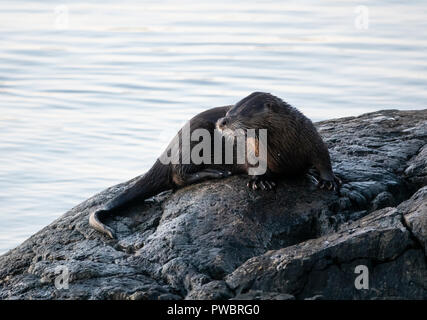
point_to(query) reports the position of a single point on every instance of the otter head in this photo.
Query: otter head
(251, 112)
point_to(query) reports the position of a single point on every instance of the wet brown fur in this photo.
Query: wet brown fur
(293, 143)
(293, 146)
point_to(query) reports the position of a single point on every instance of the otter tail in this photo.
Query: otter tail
(151, 183)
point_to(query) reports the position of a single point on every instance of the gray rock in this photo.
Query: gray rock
(396, 263)
(219, 240)
(415, 219)
(263, 295)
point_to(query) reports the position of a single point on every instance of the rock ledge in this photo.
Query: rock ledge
(219, 240)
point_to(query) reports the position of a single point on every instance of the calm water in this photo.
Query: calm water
(86, 90)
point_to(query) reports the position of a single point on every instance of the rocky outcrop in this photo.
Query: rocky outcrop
(220, 240)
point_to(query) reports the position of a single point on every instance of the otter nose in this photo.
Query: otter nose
(223, 122)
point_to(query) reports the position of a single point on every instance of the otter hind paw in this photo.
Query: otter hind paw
(263, 184)
(214, 173)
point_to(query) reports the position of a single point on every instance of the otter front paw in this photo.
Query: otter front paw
(261, 183)
(330, 184)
